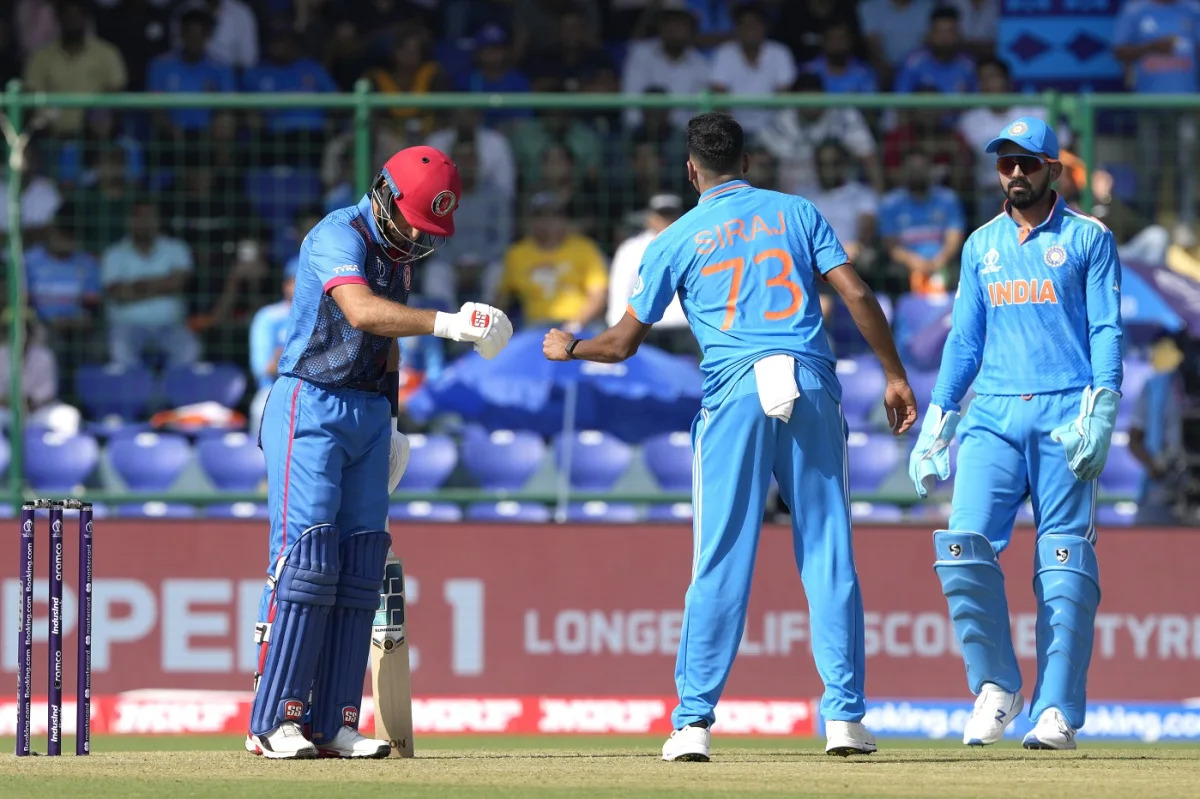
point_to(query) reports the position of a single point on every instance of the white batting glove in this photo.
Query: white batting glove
(397, 459)
(496, 338)
(471, 323)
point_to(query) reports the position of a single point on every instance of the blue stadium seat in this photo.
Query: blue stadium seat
(232, 462)
(425, 512)
(1122, 473)
(502, 460)
(149, 461)
(156, 510)
(675, 512)
(278, 193)
(873, 458)
(1118, 514)
(57, 462)
(113, 428)
(863, 384)
(876, 513)
(223, 383)
(598, 460)
(112, 390)
(1025, 514)
(238, 510)
(847, 341)
(508, 511)
(5, 455)
(431, 460)
(922, 383)
(668, 456)
(608, 512)
(914, 312)
(1137, 372)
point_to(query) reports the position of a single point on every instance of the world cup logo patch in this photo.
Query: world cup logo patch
(1055, 257)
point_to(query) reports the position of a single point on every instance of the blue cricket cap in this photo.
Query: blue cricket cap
(1029, 132)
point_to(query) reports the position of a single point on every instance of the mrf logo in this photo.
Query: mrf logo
(350, 716)
(480, 319)
(293, 710)
(1062, 554)
(1022, 292)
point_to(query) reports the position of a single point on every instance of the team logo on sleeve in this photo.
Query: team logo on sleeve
(637, 289)
(1017, 128)
(1055, 257)
(991, 262)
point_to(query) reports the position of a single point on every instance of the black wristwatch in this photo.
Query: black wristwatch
(571, 348)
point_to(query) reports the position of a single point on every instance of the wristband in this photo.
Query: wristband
(443, 324)
(571, 348)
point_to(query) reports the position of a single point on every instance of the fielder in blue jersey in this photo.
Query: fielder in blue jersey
(1037, 328)
(333, 454)
(744, 264)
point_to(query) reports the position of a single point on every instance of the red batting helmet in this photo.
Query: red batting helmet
(425, 186)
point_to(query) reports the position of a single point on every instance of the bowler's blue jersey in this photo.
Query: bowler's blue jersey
(1038, 310)
(321, 346)
(744, 263)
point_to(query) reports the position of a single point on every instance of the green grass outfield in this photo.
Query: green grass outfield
(577, 766)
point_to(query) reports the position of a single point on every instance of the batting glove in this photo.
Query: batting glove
(471, 323)
(930, 459)
(1086, 438)
(397, 459)
(497, 337)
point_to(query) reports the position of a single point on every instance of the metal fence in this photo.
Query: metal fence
(239, 178)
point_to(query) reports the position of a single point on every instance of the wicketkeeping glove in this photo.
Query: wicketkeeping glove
(1086, 438)
(397, 459)
(930, 459)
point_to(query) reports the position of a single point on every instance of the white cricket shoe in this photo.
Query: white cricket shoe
(1051, 732)
(688, 745)
(995, 709)
(285, 742)
(349, 742)
(845, 738)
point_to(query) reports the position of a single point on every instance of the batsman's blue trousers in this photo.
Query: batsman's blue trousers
(327, 461)
(1005, 456)
(736, 448)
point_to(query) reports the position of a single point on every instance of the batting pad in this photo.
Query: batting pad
(306, 583)
(974, 587)
(1066, 583)
(337, 693)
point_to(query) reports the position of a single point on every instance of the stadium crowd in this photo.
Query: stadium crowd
(168, 237)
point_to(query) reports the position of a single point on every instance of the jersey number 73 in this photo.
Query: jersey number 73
(781, 280)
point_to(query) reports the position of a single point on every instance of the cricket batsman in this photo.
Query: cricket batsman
(744, 264)
(334, 456)
(1037, 327)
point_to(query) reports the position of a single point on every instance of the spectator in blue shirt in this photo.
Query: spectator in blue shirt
(494, 73)
(839, 70)
(298, 133)
(63, 281)
(1157, 40)
(267, 333)
(922, 226)
(189, 69)
(941, 64)
(1156, 433)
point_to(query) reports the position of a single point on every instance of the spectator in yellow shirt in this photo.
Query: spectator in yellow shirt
(556, 275)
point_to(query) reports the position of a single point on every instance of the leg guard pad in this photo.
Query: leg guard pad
(1066, 583)
(974, 587)
(337, 695)
(305, 589)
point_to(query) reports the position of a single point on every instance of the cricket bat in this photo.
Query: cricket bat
(391, 681)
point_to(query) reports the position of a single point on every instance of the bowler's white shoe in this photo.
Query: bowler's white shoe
(285, 742)
(995, 709)
(847, 738)
(688, 745)
(349, 742)
(1051, 732)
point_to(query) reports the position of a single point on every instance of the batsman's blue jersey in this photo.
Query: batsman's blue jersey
(1038, 310)
(321, 346)
(744, 262)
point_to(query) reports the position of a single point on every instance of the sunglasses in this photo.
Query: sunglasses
(1029, 164)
